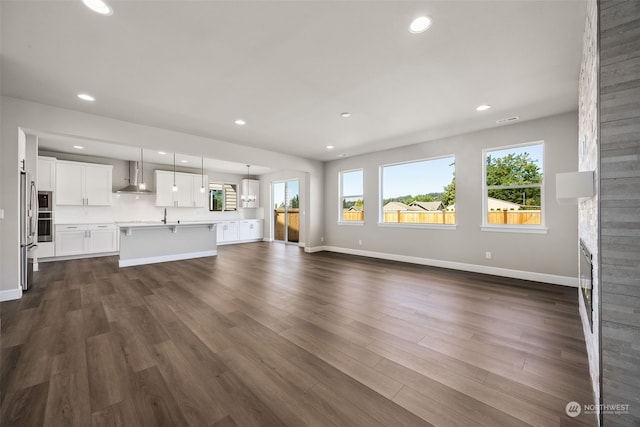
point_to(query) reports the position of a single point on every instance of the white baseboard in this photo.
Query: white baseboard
(78, 256)
(10, 294)
(165, 258)
(475, 268)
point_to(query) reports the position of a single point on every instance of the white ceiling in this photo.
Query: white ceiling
(289, 68)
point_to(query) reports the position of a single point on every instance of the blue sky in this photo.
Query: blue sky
(428, 176)
(278, 191)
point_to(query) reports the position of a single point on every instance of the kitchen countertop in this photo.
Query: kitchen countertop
(134, 224)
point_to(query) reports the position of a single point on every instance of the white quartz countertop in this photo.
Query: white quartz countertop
(140, 224)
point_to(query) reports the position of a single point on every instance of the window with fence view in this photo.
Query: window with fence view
(222, 197)
(419, 192)
(513, 185)
(351, 195)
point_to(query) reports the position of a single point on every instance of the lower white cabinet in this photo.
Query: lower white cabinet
(84, 239)
(235, 231)
(250, 229)
(227, 231)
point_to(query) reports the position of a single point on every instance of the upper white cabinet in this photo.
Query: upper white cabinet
(83, 184)
(188, 194)
(250, 193)
(46, 173)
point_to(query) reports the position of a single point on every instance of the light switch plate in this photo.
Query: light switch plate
(1, 213)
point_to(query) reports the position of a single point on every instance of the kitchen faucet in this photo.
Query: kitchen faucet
(164, 220)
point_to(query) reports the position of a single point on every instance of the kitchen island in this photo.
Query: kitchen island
(153, 242)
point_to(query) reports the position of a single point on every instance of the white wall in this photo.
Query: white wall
(546, 257)
(267, 201)
(43, 118)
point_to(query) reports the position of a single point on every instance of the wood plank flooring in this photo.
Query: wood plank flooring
(266, 335)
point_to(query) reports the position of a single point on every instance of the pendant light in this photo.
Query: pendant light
(175, 187)
(246, 197)
(142, 185)
(202, 174)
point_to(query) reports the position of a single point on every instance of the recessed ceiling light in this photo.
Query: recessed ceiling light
(341, 155)
(99, 6)
(483, 107)
(420, 25)
(330, 147)
(162, 152)
(240, 122)
(184, 161)
(79, 147)
(86, 97)
(345, 114)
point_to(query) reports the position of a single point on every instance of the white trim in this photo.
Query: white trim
(514, 229)
(165, 258)
(475, 268)
(350, 222)
(10, 294)
(314, 249)
(406, 162)
(485, 187)
(432, 226)
(77, 256)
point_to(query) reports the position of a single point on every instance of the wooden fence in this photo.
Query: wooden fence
(514, 217)
(293, 224)
(448, 217)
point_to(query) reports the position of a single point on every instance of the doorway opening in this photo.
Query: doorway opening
(286, 211)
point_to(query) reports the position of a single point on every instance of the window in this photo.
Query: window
(351, 196)
(513, 196)
(419, 192)
(223, 197)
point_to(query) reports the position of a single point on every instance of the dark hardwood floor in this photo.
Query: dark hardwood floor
(266, 335)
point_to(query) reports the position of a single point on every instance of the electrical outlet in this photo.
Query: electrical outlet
(487, 255)
(1, 213)
(360, 242)
(322, 239)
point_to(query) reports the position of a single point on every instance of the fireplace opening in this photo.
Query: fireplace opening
(586, 281)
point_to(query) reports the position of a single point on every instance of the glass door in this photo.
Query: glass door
(286, 211)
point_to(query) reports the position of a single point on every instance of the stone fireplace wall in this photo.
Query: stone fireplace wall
(619, 96)
(588, 160)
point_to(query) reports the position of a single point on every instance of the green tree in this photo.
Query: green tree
(295, 202)
(448, 198)
(514, 169)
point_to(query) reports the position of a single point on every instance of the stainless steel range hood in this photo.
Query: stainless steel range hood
(134, 187)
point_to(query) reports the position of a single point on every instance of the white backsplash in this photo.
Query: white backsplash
(141, 207)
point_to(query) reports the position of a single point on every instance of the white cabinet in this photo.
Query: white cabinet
(70, 240)
(227, 231)
(250, 229)
(45, 250)
(250, 193)
(244, 230)
(83, 184)
(188, 194)
(46, 173)
(164, 194)
(102, 238)
(83, 239)
(22, 151)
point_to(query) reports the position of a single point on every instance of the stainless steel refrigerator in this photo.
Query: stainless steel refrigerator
(28, 229)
